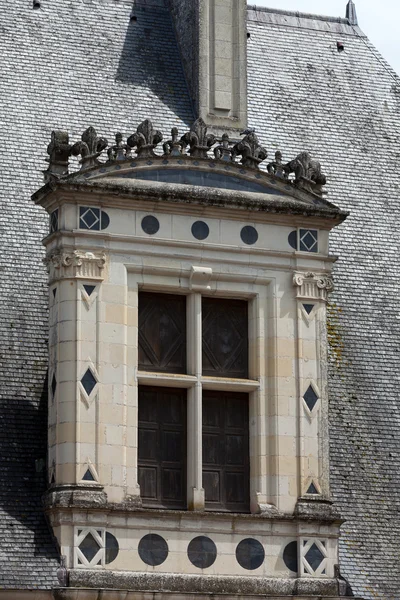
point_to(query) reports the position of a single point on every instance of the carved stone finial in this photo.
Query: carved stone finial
(308, 174)
(145, 139)
(198, 139)
(250, 150)
(276, 167)
(173, 147)
(224, 151)
(89, 148)
(59, 151)
(119, 151)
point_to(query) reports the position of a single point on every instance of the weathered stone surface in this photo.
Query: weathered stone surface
(192, 584)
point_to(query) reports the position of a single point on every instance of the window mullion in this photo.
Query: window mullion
(194, 438)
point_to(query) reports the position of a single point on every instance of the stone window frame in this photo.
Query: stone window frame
(256, 295)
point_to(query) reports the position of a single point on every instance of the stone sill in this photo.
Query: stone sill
(204, 584)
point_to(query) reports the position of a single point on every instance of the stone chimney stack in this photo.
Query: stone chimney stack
(212, 36)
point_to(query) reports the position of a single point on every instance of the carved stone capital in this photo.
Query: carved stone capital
(312, 286)
(76, 264)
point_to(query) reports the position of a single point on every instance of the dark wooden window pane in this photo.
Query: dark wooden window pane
(225, 338)
(226, 464)
(162, 333)
(162, 447)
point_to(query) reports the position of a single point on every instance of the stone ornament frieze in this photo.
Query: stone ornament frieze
(312, 286)
(302, 172)
(76, 264)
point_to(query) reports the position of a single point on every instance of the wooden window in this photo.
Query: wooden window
(225, 338)
(162, 333)
(162, 447)
(226, 471)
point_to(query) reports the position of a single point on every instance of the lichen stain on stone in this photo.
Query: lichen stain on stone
(334, 333)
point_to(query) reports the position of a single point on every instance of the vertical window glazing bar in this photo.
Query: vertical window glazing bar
(195, 492)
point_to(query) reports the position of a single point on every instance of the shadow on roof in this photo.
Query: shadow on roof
(150, 60)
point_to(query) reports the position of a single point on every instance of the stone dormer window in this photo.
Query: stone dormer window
(187, 362)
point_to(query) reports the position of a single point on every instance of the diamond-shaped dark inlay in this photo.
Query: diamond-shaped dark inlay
(89, 218)
(112, 548)
(250, 554)
(54, 292)
(202, 552)
(89, 547)
(310, 398)
(153, 549)
(54, 221)
(88, 476)
(309, 240)
(89, 289)
(88, 381)
(312, 489)
(292, 239)
(314, 557)
(53, 386)
(290, 557)
(308, 308)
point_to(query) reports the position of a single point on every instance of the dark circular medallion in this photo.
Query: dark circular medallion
(290, 557)
(105, 220)
(249, 235)
(112, 548)
(150, 225)
(153, 549)
(200, 230)
(250, 554)
(292, 239)
(202, 552)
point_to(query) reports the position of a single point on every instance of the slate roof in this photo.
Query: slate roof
(344, 107)
(74, 64)
(68, 65)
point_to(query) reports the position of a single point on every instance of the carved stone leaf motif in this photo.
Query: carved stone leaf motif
(224, 151)
(145, 139)
(198, 140)
(173, 147)
(307, 172)
(250, 150)
(59, 151)
(119, 151)
(89, 148)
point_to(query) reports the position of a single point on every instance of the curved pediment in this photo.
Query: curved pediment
(199, 173)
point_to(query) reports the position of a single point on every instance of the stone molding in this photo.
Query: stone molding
(206, 584)
(75, 264)
(312, 286)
